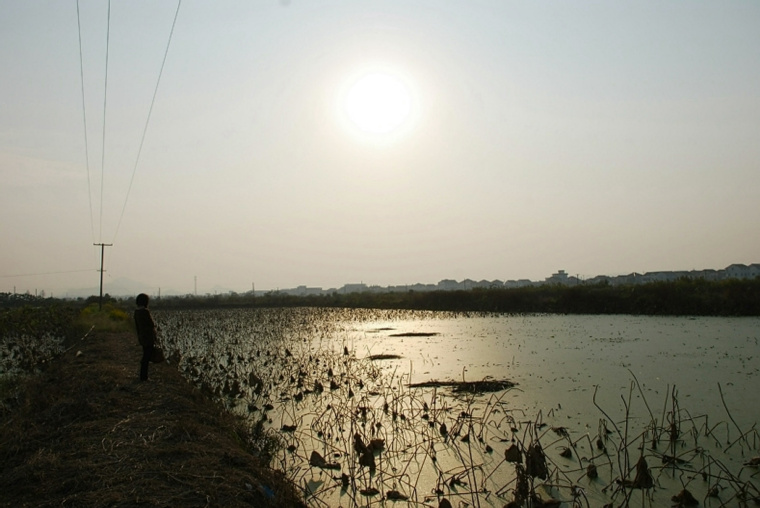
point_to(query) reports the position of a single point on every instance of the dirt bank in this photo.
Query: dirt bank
(86, 432)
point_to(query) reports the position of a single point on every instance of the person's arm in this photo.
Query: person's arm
(153, 330)
(146, 327)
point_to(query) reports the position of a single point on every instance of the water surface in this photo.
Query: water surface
(609, 388)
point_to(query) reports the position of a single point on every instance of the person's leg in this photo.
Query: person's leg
(147, 353)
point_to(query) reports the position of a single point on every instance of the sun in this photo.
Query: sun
(378, 103)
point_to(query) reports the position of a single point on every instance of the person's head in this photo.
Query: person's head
(142, 300)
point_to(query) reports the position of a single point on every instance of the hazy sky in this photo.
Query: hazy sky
(595, 137)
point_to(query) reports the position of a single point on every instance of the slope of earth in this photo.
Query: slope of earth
(86, 432)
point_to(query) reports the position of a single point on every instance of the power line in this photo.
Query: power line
(44, 273)
(103, 147)
(147, 120)
(84, 119)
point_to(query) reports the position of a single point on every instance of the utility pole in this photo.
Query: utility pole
(102, 250)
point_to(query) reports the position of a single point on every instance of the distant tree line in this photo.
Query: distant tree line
(13, 300)
(17, 300)
(685, 296)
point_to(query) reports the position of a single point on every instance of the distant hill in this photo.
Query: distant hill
(125, 287)
(117, 287)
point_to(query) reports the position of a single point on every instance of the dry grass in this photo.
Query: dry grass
(86, 432)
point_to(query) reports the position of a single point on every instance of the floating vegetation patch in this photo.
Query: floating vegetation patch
(617, 340)
(485, 386)
(414, 334)
(384, 357)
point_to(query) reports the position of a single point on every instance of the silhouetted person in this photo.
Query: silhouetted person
(146, 332)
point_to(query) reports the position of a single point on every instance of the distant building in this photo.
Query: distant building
(739, 271)
(354, 288)
(557, 278)
(304, 291)
(599, 279)
(521, 283)
(705, 274)
(422, 287)
(734, 271)
(448, 285)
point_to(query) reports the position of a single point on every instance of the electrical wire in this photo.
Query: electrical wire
(46, 273)
(147, 120)
(84, 120)
(103, 147)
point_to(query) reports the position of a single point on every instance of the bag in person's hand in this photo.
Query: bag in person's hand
(157, 356)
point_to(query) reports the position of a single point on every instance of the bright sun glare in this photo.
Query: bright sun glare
(378, 103)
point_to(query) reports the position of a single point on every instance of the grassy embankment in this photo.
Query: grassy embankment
(83, 431)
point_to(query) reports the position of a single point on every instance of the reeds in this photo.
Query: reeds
(357, 432)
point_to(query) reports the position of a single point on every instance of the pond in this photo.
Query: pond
(591, 393)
